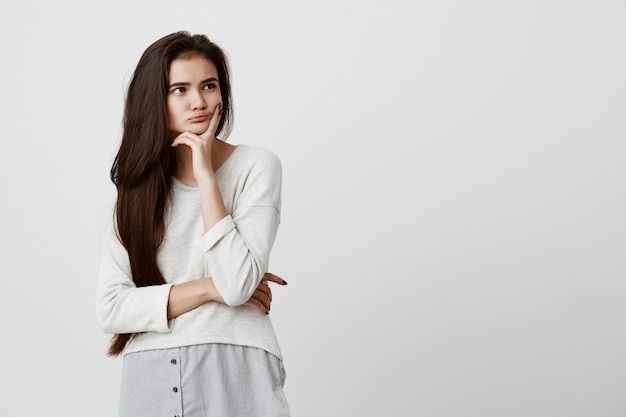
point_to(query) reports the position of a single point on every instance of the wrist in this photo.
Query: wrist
(211, 291)
(207, 179)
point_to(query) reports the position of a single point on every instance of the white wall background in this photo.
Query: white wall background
(454, 195)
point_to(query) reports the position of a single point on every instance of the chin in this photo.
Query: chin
(198, 130)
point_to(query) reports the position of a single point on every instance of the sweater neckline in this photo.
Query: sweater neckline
(227, 161)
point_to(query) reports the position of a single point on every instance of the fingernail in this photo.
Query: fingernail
(284, 282)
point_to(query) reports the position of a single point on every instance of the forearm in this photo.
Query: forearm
(189, 295)
(237, 247)
(238, 253)
(211, 202)
(123, 308)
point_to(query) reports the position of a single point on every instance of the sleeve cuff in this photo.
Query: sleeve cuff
(210, 238)
(164, 325)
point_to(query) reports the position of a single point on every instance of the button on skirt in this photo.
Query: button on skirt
(219, 380)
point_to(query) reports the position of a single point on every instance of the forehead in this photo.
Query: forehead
(191, 68)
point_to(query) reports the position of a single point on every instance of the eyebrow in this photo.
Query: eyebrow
(184, 84)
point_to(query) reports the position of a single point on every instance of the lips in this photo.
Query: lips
(199, 118)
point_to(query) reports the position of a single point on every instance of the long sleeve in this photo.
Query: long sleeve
(235, 253)
(121, 306)
(237, 249)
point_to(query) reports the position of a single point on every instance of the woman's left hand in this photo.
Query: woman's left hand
(261, 300)
(200, 146)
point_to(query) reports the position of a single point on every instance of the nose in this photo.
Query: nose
(198, 102)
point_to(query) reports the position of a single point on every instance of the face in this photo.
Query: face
(193, 94)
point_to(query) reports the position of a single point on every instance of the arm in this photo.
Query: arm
(124, 308)
(121, 306)
(191, 294)
(201, 149)
(236, 246)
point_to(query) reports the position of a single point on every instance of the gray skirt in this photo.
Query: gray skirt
(206, 380)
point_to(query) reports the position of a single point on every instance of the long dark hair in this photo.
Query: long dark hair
(142, 168)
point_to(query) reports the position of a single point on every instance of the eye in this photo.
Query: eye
(177, 90)
(210, 86)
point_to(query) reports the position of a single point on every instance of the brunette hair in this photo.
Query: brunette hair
(142, 168)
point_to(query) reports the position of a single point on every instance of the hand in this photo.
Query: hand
(261, 300)
(200, 146)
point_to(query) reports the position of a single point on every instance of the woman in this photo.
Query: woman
(183, 281)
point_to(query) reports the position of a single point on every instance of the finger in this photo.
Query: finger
(184, 139)
(213, 123)
(262, 298)
(264, 288)
(256, 305)
(274, 278)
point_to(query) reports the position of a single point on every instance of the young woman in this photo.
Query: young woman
(183, 281)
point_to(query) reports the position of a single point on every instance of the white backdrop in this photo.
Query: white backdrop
(453, 225)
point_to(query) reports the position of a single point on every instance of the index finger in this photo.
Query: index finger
(213, 123)
(274, 278)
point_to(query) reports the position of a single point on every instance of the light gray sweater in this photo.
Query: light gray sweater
(235, 253)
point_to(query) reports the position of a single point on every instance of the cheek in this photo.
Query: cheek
(214, 98)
